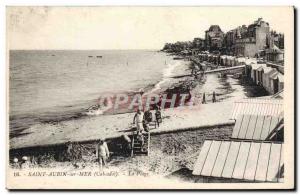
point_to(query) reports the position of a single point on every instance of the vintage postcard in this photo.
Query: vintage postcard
(150, 97)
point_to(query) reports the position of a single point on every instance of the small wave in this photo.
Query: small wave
(167, 73)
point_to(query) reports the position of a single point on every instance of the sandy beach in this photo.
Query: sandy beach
(112, 126)
(174, 144)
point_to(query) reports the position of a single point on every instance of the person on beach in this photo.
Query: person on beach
(214, 97)
(138, 120)
(148, 116)
(25, 162)
(102, 153)
(147, 119)
(158, 116)
(203, 99)
(16, 163)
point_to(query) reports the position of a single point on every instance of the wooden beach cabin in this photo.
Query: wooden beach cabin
(267, 82)
(254, 153)
(276, 82)
(228, 161)
(254, 127)
(257, 106)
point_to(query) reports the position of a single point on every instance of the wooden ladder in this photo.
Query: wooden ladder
(136, 146)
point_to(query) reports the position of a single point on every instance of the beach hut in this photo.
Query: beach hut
(268, 71)
(280, 78)
(240, 61)
(248, 70)
(276, 82)
(255, 151)
(258, 71)
(223, 60)
(234, 62)
(228, 60)
(239, 161)
(257, 106)
(254, 127)
(216, 59)
(231, 61)
(254, 71)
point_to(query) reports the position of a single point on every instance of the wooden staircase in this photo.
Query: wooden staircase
(137, 148)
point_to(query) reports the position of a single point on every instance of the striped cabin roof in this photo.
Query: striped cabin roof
(243, 160)
(254, 127)
(257, 106)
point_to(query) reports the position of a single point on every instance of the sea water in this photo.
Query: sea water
(56, 85)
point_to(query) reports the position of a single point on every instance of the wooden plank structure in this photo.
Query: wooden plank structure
(247, 161)
(256, 127)
(258, 106)
(138, 147)
(277, 133)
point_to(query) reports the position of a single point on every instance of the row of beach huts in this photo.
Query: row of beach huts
(268, 75)
(254, 152)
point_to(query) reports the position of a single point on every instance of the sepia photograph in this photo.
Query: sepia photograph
(129, 97)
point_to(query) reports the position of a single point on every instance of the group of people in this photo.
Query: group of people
(22, 164)
(143, 119)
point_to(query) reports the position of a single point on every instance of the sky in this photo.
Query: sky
(83, 28)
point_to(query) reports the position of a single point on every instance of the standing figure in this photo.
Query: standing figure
(147, 119)
(138, 120)
(203, 99)
(148, 116)
(158, 116)
(102, 153)
(214, 97)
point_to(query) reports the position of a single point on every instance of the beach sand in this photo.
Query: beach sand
(175, 145)
(111, 126)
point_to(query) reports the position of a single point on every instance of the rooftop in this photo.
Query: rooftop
(244, 160)
(257, 106)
